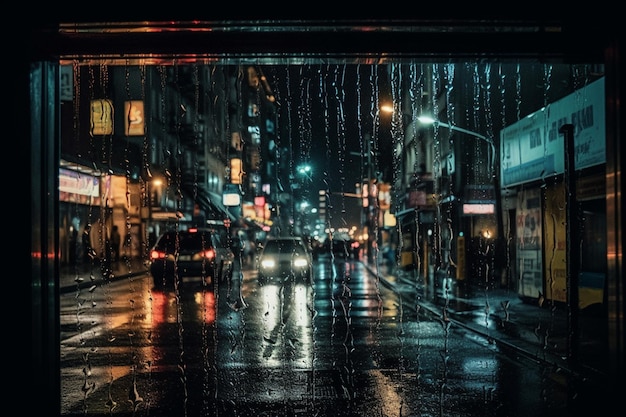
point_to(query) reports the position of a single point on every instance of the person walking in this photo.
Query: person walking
(115, 243)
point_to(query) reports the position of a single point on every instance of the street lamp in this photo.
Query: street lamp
(304, 175)
(487, 234)
(305, 170)
(427, 120)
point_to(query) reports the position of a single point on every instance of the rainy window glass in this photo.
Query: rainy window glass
(431, 200)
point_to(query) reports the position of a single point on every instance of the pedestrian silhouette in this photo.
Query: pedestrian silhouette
(88, 252)
(115, 243)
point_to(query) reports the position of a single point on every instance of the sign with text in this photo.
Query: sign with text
(101, 117)
(134, 122)
(529, 243)
(533, 148)
(76, 187)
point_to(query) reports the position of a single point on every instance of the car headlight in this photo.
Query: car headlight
(300, 262)
(268, 263)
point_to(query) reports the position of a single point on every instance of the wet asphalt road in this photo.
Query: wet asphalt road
(348, 345)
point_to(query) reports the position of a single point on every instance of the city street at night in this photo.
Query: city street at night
(351, 343)
(398, 215)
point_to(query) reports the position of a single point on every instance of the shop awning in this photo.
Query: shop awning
(209, 202)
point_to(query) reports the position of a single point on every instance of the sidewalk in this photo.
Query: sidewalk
(500, 315)
(82, 276)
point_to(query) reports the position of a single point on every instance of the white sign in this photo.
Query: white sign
(533, 148)
(78, 183)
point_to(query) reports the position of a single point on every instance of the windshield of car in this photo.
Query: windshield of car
(186, 241)
(284, 246)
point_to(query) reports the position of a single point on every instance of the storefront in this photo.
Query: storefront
(534, 204)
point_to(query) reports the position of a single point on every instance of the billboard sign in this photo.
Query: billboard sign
(533, 148)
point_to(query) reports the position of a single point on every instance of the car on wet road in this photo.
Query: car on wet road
(284, 258)
(179, 255)
(339, 248)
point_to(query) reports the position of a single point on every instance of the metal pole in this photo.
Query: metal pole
(572, 243)
(492, 148)
(370, 223)
(147, 232)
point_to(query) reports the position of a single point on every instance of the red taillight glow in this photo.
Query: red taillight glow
(209, 254)
(155, 254)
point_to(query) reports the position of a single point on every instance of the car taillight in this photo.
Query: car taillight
(209, 254)
(155, 254)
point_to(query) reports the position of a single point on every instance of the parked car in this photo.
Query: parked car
(190, 253)
(284, 258)
(340, 248)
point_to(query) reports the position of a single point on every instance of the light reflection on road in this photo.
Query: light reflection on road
(287, 322)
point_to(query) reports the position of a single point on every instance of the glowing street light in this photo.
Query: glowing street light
(386, 108)
(427, 120)
(304, 169)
